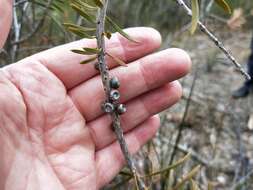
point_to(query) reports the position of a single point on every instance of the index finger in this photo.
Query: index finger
(65, 64)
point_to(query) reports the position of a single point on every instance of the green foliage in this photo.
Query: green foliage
(223, 4)
(88, 60)
(86, 51)
(194, 185)
(55, 5)
(79, 30)
(81, 10)
(87, 10)
(165, 15)
(195, 15)
(118, 29)
(173, 166)
(195, 11)
(233, 4)
(99, 3)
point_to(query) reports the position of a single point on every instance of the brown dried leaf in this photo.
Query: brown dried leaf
(236, 20)
(117, 60)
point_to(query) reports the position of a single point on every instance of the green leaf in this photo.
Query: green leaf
(43, 5)
(84, 5)
(173, 166)
(57, 7)
(210, 186)
(99, 3)
(80, 33)
(78, 51)
(119, 30)
(187, 177)
(223, 4)
(85, 51)
(92, 50)
(85, 15)
(117, 60)
(194, 185)
(81, 28)
(195, 15)
(89, 60)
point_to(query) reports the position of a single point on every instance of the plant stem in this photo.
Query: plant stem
(106, 83)
(216, 41)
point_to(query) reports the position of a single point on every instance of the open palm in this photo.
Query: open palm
(53, 133)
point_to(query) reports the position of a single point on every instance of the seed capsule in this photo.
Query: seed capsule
(96, 66)
(114, 95)
(114, 83)
(121, 109)
(108, 107)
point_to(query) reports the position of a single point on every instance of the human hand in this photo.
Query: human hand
(53, 133)
(5, 19)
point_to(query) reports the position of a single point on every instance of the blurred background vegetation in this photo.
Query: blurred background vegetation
(37, 27)
(206, 123)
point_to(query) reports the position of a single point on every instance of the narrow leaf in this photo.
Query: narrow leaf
(57, 7)
(82, 52)
(44, 5)
(194, 185)
(195, 15)
(89, 60)
(99, 3)
(223, 4)
(125, 173)
(178, 163)
(190, 175)
(81, 28)
(92, 50)
(85, 15)
(84, 5)
(81, 34)
(119, 61)
(79, 51)
(119, 30)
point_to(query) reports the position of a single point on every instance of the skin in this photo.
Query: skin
(5, 19)
(53, 134)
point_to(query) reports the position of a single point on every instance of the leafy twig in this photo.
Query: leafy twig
(106, 83)
(217, 42)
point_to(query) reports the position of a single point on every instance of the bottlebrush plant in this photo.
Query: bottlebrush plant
(100, 26)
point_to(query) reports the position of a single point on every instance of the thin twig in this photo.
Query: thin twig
(18, 26)
(37, 27)
(199, 158)
(181, 127)
(106, 83)
(209, 6)
(20, 2)
(243, 180)
(217, 42)
(17, 31)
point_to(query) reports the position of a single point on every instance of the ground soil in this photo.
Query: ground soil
(216, 127)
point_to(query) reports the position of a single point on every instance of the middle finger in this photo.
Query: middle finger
(139, 77)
